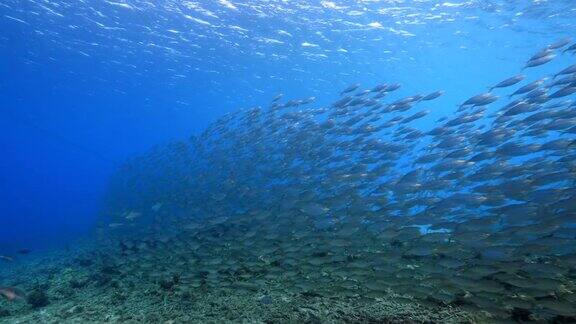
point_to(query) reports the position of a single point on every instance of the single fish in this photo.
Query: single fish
(564, 92)
(509, 82)
(6, 258)
(527, 88)
(11, 293)
(541, 53)
(563, 81)
(539, 61)
(480, 100)
(393, 87)
(132, 215)
(570, 48)
(433, 95)
(379, 88)
(350, 88)
(569, 70)
(560, 43)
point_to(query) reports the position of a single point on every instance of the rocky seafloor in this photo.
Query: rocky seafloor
(83, 285)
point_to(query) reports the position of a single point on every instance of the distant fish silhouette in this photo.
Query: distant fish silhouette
(6, 258)
(11, 293)
(24, 251)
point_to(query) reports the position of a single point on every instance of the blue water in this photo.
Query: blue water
(86, 84)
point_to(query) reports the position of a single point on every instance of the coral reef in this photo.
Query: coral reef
(65, 291)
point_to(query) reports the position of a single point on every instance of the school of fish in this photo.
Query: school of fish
(350, 199)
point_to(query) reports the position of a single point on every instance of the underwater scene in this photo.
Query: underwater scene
(275, 161)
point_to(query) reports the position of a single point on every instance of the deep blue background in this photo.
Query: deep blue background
(84, 85)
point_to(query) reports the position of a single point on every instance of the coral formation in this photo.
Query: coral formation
(145, 297)
(37, 298)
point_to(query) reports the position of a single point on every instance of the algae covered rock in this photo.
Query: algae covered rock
(38, 298)
(4, 313)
